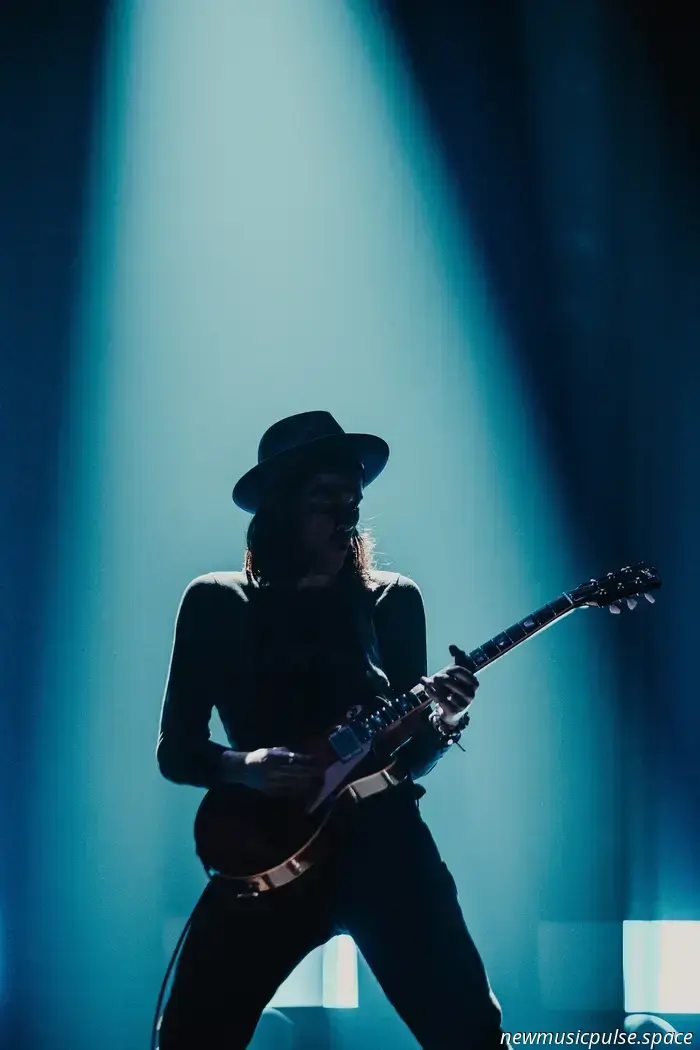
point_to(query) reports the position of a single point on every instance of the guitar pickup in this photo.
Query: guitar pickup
(345, 743)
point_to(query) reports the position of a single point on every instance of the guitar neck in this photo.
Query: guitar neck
(391, 712)
(629, 583)
(518, 633)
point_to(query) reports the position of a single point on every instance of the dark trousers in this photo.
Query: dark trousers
(389, 889)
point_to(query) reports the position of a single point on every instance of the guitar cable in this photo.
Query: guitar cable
(158, 1017)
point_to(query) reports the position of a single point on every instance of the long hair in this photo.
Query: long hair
(273, 554)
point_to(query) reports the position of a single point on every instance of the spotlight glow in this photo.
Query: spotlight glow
(661, 965)
(271, 231)
(327, 977)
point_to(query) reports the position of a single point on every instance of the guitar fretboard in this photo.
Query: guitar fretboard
(390, 712)
(519, 632)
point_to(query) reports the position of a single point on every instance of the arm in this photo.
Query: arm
(401, 632)
(206, 621)
(185, 752)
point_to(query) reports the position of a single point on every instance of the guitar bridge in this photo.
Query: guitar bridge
(345, 743)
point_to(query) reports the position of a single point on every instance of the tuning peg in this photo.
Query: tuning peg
(650, 598)
(614, 608)
(631, 603)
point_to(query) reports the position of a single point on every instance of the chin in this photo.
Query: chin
(334, 565)
(328, 556)
(333, 560)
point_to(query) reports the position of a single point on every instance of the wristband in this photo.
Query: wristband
(449, 733)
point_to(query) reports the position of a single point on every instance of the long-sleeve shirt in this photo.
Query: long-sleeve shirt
(282, 665)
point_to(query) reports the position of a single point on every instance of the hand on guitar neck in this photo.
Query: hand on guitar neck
(452, 689)
(274, 771)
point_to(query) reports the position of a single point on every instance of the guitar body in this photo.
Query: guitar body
(260, 843)
(254, 839)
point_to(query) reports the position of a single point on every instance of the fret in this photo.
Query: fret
(397, 708)
(387, 714)
(517, 633)
(472, 665)
(391, 708)
(491, 649)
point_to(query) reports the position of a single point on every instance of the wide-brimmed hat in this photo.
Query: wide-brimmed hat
(296, 439)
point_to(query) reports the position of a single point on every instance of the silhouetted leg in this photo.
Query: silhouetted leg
(232, 963)
(402, 910)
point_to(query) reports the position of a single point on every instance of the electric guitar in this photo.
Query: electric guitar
(260, 843)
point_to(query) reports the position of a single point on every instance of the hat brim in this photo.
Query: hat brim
(370, 451)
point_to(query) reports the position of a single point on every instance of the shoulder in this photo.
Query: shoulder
(399, 617)
(394, 587)
(215, 587)
(235, 582)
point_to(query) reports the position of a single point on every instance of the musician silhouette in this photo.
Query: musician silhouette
(308, 630)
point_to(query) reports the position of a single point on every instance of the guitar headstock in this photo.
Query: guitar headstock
(610, 591)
